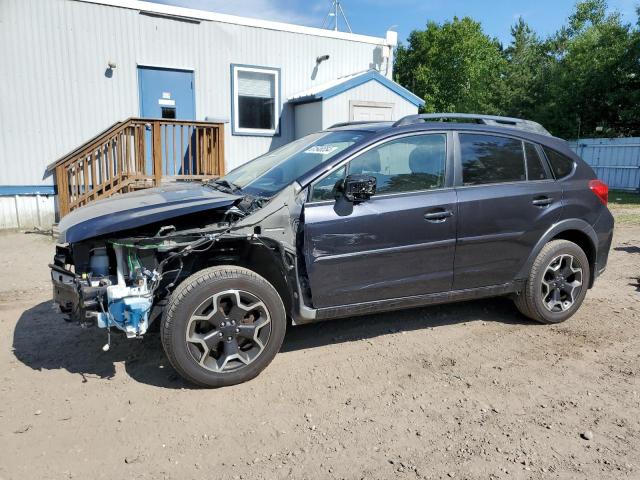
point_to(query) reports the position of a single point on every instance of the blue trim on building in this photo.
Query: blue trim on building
(371, 75)
(278, 106)
(11, 190)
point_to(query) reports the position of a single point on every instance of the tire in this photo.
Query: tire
(207, 310)
(536, 299)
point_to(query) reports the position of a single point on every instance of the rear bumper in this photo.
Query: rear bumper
(604, 230)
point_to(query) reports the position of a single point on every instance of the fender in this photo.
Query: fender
(553, 231)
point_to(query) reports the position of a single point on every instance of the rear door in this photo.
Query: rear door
(399, 243)
(506, 201)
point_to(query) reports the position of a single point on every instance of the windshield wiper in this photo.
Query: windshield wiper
(226, 184)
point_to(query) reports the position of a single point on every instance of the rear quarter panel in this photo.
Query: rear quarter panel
(580, 203)
(577, 199)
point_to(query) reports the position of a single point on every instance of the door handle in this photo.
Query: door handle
(542, 201)
(438, 216)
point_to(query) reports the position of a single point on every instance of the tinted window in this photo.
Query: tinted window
(535, 169)
(561, 165)
(490, 159)
(325, 189)
(406, 164)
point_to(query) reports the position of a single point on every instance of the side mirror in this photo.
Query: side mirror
(358, 188)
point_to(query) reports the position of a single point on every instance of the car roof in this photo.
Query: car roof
(482, 119)
(457, 119)
(391, 128)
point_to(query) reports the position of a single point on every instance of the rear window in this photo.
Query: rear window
(535, 168)
(491, 159)
(561, 165)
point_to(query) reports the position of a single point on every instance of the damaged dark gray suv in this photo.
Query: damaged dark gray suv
(356, 219)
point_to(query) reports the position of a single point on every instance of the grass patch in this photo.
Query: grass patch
(623, 217)
(619, 198)
(625, 207)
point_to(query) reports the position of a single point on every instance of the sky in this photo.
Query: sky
(375, 17)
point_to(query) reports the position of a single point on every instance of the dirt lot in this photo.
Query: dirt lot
(465, 391)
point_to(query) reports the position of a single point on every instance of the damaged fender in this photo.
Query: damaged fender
(118, 281)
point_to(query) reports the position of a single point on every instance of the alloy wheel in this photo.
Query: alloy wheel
(228, 331)
(561, 283)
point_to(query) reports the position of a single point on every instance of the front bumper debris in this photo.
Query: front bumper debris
(75, 296)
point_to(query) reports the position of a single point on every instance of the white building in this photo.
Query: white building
(73, 68)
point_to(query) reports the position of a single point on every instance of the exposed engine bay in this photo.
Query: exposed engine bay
(122, 279)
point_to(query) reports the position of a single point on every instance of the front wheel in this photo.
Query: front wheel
(223, 326)
(557, 283)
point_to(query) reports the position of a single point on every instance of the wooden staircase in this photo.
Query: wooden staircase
(138, 153)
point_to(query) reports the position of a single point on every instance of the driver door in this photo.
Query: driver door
(400, 242)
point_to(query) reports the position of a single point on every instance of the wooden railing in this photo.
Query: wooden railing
(138, 153)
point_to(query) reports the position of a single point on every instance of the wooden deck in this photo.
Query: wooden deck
(138, 153)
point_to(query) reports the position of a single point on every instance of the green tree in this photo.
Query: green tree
(593, 81)
(453, 67)
(583, 80)
(527, 66)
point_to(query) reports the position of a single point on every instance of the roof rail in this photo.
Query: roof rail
(355, 122)
(493, 120)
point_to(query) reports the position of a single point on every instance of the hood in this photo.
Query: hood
(136, 209)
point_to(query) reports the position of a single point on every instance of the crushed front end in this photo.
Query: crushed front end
(103, 283)
(122, 278)
(118, 256)
(118, 282)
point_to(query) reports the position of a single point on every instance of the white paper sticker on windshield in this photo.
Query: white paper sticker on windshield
(321, 149)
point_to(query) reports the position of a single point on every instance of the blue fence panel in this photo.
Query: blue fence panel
(616, 161)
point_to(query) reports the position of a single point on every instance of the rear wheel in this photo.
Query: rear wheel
(223, 326)
(557, 283)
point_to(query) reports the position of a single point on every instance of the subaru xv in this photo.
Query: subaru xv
(357, 219)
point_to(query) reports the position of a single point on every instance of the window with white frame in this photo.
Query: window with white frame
(256, 100)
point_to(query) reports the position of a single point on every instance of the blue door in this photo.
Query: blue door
(168, 94)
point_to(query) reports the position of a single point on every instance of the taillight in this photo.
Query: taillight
(600, 189)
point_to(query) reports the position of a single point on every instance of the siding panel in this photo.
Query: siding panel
(336, 109)
(616, 161)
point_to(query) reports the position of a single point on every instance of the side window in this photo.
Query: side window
(491, 159)
(406, 164)
(325, 188)
(535, 169)
(561, 165)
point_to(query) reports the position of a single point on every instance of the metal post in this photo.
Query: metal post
(335, 11)
(345, 18)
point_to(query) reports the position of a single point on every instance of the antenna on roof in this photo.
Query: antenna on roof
(333, 16)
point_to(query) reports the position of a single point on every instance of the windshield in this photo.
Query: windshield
(270, 173)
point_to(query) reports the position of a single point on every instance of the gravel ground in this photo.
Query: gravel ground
(471, 390)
